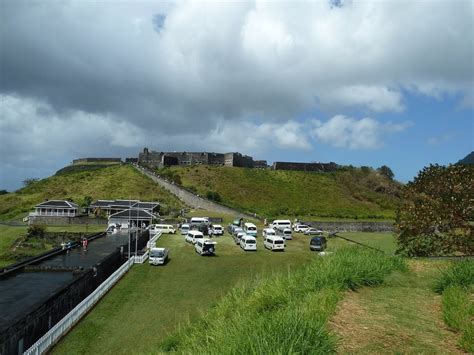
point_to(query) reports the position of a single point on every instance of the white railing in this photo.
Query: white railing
(63, 326)
(152, 242)
(140, 259)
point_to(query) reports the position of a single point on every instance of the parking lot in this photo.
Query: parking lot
(136, 314)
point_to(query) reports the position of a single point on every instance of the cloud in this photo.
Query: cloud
(441, 139)
(346, 132)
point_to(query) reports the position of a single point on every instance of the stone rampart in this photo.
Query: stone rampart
(341, 226)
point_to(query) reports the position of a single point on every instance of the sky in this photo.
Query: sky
(366, 83)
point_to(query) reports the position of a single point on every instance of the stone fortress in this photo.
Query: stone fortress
(163, 159)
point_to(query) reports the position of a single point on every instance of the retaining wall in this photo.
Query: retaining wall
(353, 226)
(53, 220)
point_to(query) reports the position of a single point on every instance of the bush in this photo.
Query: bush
(459, 273)
(213, 196)
(251, 319)
(36, 231)
(457, 286)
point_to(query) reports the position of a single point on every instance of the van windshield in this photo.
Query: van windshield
(278, 242)
(286, 232)
(251, 228)
(250, 241)
(157, 253)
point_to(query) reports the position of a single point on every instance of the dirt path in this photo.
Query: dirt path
(402, 316)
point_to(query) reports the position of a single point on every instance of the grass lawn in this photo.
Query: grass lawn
(151, 302)
(9, 234)
(403, 315)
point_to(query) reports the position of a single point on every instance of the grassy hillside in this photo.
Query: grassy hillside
(118, 181)
(351, 193)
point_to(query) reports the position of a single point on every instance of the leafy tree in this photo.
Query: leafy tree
(213, 196)
(386, 171)
(36, 231)
(436, 217)
(87, 201)
(3, 192)
(29, 181)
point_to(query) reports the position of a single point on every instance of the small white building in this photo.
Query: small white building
(133, 217)
(60, 208)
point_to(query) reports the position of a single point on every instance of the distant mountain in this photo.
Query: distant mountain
(468, 160)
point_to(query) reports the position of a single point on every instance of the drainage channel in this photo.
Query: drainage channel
(35, 295)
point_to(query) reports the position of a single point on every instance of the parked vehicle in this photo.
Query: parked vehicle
(194, 236)
(318, 243)
(185, 228)
(111, 229)
(273, 242)
(163, 228)
(313, 231)
(300, 228)
(238, 236)
(236, 231)
(268, 231)
(250, 229)
(248, 242)
(217, 229)
(280, 223)
(230, 228)
(158, 256)
(196, 221)
(284, 232)
(205, 247)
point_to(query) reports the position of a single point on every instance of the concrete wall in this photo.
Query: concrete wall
(188, 197)
(353, 226)
(51, 220)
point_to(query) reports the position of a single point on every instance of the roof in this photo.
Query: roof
(57, 204)
(120, 204)
(133, 213)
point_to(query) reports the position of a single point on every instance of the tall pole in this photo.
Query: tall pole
(129, 236)
(136, 237)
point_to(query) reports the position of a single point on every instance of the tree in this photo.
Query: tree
(386, 171)
(436, 217)
(86, 202)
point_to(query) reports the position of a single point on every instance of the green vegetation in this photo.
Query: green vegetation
(116, 181)
(457, 287)
(286, 313)
(351, 193)
(150, 303)
(16, 245)
(436, 215)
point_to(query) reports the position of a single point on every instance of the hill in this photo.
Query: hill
(348, 193)
(468, 159)
(75, 183)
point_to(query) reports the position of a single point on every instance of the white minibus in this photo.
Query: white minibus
(250, 229)
(268, 231)
(193, 236)
(284, 232)
(274, 243)
(280, 223)
(248, 242)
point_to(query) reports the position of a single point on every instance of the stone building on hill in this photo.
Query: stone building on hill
(162, 159)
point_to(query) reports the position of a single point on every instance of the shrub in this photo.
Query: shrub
(36, 231)
(459, 273)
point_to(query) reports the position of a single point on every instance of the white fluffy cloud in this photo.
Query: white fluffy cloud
(347, 132)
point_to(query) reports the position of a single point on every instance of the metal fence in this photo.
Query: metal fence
(152, 242)
(140, 259)
(63, 326)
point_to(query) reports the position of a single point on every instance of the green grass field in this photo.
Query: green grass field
(150, 303)
(113, 182)
(352, 194)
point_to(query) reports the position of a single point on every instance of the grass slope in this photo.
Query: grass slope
(353, 193)
(401, 316)
(151, 302)
(117, 181)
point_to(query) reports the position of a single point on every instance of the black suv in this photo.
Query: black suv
(318, 243)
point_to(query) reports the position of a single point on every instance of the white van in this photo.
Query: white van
(238, 236)
(250, 229)
(248, 242)
(268, 231)
(284, 232)
(185, 229)
(158, 256)
(165, 228)
(196, 221)
(205, 246)
(280, 223)
(193, 236)
(274, 243)
(217, 229)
